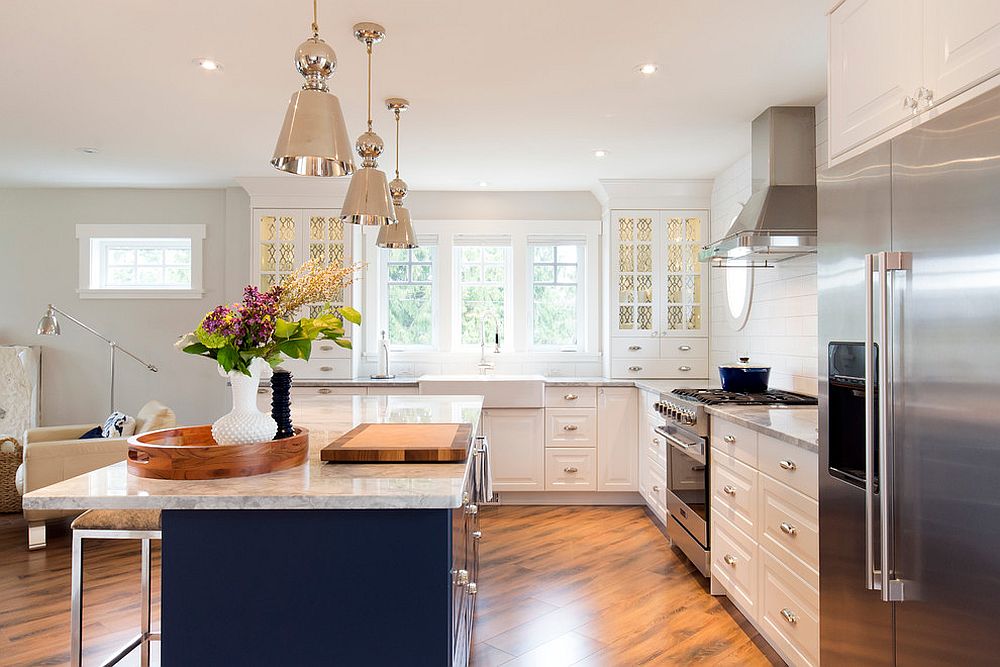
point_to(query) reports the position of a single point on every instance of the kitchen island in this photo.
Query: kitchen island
(334, 564)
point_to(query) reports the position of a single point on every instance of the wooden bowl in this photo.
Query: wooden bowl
(190, 452)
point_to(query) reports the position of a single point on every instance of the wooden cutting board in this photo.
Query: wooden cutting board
(401, 443)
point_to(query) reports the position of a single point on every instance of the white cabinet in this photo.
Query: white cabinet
(517, 448)
(617, 426)
(570, 469)
(652, 450)
(892, 62)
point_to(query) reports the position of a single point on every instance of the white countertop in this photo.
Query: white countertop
(315, 485)
(798, 426)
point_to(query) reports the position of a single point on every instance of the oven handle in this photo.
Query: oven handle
(674, 440)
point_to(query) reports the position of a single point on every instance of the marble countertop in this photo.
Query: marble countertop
(315, 485)
(662, 386)
(798, 426)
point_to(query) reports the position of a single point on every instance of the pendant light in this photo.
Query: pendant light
(368, 201)
(314, 139)
(399, 235)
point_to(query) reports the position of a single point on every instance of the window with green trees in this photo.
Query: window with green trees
(482, 277)
(410, 296)
(556, 317)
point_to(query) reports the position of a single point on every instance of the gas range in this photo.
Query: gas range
(686, 407)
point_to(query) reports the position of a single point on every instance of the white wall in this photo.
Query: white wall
(781, 331)
(38, 265)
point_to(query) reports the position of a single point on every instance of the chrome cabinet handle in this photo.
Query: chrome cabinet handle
(684, 348)
(570, 427)
(263, 390)
(656, 488)
(789, 616)
(729, 489)
(910, 103)
(925, 95)
(655, 333)
(788, 529)
(656, 442)
(635, 368)
(477, 534)
(472, 509)
(730, 561)
(570, 397)
(785, 464)
(324, 390)
(472, 589)
(463, 577)
(571, 469)
(326, 369)
(684, 369)
(326, 348)
(730, 439)
(634, 348)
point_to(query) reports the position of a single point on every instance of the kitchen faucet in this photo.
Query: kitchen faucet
(484, 365)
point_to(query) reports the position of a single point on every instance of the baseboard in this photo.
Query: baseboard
(569, 498)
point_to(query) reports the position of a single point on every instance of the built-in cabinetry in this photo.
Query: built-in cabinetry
(317, 395)
(765, 535)
(893, 62)
(658, 311)
(517, 451)
(283, 239)
(652, 457)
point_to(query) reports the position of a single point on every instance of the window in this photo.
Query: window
(130, 261)
(556, 297)
(482, 293)
(410, 298)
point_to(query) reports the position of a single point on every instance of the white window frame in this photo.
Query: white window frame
(90, 272)
(538, 241)
(485, 241)
(383, 286)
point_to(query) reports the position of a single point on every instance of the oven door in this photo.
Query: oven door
(687, 480)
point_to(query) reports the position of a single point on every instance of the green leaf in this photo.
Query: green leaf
(297, 348)
(343, 342)
(350, 314)
(285, 329)
(196, 348)
(228, 357)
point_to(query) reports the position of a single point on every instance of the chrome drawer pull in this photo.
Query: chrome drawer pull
(730, 561)
(477, 534)
(326, 369)
(684, 369)
(656, 442)
(472, 509)
(788, 529)
(656, 488)
(730, 439)
(730, 490)
(684, 348)
(789, 616)
(635, 369)
(263, 390)
(571, 469)
(326, 348)
(634, 348)
(570, 397)
(324, 390)
(570, 427)
(787, 465)
(472, 588)
(463, 577)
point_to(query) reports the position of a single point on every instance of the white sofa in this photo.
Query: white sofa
(55, 453)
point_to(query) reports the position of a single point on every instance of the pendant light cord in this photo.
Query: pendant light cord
(368, 44)
(315, 25)
(397, 143)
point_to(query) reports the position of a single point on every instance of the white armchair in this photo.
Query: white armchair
(55, 453)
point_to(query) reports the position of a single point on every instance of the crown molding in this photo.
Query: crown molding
(655, 193)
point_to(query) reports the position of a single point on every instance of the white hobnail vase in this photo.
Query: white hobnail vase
(245, 424)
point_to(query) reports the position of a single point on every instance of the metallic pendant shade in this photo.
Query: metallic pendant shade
(49, 325)
(313, 139)
(401, 234)
(368, 200)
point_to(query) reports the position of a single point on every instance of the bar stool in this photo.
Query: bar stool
(141, 525)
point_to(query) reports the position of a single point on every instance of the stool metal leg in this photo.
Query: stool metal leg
(145, 603)
(76, 603)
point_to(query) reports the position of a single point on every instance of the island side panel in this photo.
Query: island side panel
(306, 587)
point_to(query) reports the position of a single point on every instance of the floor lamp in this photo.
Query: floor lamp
(49, 326)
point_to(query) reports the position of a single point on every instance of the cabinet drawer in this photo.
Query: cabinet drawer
(734, 563)
(659, 368)
(299, 393)
(734, 492)
(657, 490)
(789, 527)
(318, 368)
(684, 348)
(796, 467)
(789, 611)
(653, 446)
(571, 397)
(392, 391)
(635, 348)
(734, 440)
(327, 349)
(570, 469)
(570, 427)
(649, 399)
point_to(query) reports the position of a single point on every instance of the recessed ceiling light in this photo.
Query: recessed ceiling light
(600, 152)
(208, 64)
(87, 150)
(483, 184)
(647, 68)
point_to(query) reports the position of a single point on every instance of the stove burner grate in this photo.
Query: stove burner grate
(720, 397)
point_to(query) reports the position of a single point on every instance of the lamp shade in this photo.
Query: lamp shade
(368, 201)
(399, 235)
(313, 139)
(48, 325)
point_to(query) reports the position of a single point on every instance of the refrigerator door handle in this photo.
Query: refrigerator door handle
(872, 582)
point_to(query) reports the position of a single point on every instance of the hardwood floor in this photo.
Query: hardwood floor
(589, 586)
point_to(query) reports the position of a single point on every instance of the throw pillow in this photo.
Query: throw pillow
(118, 425)
(96, 432)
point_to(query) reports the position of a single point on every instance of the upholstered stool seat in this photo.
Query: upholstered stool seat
(143, 525)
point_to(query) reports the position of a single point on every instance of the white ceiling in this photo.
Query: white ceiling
(515, 93)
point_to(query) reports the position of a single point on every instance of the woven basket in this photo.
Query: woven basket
(10, 499)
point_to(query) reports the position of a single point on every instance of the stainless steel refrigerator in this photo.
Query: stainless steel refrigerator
(909, 331)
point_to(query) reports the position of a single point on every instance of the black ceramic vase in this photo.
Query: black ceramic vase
(281, 402)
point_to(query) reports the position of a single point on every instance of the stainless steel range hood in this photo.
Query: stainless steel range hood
(778, 222)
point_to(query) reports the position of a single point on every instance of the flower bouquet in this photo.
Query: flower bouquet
(244, 338)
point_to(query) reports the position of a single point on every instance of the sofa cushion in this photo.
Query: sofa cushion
(153, 416)
(96, 432)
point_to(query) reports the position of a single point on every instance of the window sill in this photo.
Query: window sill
(141, 293)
